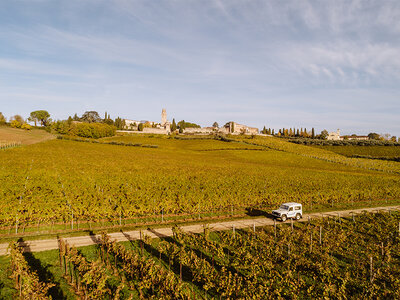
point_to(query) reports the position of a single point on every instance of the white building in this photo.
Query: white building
(334, 136)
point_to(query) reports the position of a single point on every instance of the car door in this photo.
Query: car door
(291, 212)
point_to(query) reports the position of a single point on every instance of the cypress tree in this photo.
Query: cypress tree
(312, 133)
(173, 125)
(273, 131)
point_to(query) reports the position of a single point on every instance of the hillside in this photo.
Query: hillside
(25, 137)
(98, 184)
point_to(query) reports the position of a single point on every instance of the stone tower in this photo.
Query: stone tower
(163, 117)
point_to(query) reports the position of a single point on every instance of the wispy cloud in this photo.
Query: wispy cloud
(231, 57)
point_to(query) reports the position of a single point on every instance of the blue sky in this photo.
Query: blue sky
(323, 64)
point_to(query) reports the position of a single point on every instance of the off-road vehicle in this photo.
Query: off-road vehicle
(288, 210)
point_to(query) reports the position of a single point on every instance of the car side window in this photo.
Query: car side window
(297, 208)
(291, 209)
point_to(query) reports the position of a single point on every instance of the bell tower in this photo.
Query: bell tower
(163, 117)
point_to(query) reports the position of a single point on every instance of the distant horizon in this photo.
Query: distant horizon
(317, 131)
(326, 65)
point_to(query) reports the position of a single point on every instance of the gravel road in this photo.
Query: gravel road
(50, 244)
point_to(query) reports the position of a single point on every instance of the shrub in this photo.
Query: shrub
(26, 126)
(15, 124)
(92, 130)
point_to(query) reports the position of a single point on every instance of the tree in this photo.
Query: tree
(313, 133)
(140, 127)
(2, 119)
(393, 139)
(173, 125)
(273, 131)
(18, 118)
(75, 117)
(91, 117)
(215, 125)
(264, 131)
(119, 123)
(374, 136)
(41, 116)
(324, 134)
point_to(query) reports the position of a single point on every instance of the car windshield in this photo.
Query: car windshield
(285, 207)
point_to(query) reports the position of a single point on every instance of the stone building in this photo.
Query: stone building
(202, 130)
(236, 128)
(149, 126)
(334, 136)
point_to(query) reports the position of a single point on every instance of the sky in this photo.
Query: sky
(276, 63)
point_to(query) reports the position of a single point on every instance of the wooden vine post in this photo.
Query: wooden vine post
(371, 269)
(320, 235)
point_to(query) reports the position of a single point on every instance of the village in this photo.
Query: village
(165, 127)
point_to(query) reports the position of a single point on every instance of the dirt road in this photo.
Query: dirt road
(42, 245)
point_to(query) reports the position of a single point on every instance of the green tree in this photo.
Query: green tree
(264, 131)
(374, 136)
(273, 131)
(91, 117)
(313, 133)
(41, 116)
(215, 125)
(324, 134)
(2, 119)
(69, 121)
(173, 125)
(140, 127)
(75, 117)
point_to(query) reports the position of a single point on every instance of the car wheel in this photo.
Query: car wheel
(298, 216)
(284, 218)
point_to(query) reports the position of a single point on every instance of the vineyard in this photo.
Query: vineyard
(8, 145)
(321, 154)
(330, 257)
(62, 185)
(372, 151)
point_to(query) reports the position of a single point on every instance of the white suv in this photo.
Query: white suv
(288, 210)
